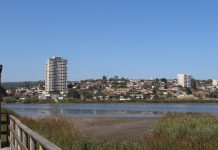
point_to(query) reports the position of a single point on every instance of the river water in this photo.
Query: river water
(108, 110)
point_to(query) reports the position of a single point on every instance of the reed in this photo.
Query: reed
(173, 131)
(185, 131)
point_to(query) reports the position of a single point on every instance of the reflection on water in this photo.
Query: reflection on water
(108, 110)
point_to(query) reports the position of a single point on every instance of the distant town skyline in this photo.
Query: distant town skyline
(132, 39)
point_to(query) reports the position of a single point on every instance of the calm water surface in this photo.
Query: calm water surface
(108, 110)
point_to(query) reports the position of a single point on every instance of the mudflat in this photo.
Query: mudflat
(103, 128)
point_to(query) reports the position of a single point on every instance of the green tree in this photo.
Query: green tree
(188, 91)
(86, 94)
(163, 80)
(73, 93)
(193, 84)
(213, 94)
(104, 80)
(70, 86)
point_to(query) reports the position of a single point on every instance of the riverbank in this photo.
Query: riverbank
(173, 131)
(141, 101)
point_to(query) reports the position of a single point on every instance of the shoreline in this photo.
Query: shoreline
(122, 102)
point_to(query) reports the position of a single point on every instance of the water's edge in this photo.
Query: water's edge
(109, 110)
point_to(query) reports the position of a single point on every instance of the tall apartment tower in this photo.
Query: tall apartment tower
(56, 75)
(184, 80)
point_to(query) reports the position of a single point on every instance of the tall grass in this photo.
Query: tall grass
(175, 131)
(60, 131)
(185, 131)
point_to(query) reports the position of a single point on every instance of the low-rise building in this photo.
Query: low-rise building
(215, 83)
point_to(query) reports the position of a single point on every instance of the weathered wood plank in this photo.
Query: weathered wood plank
(32, 144)
(33, 135)
(18, 142)
(25, 139)
(6, 148)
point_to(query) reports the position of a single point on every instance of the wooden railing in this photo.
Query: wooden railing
(20, 137)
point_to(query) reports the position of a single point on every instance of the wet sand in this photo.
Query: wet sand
(106, 128)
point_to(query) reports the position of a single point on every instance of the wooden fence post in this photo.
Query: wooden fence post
(16, 131)
(32, 144)
(25, 139)
(19, 136)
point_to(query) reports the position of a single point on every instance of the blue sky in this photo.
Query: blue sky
(129, 38)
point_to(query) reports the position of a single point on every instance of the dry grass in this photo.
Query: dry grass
(185, 131)
(175, 131)
(59, 130)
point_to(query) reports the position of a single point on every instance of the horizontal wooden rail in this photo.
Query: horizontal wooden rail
(23, 138)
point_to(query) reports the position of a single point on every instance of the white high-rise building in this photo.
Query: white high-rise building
(184, 80)
(56, 75)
